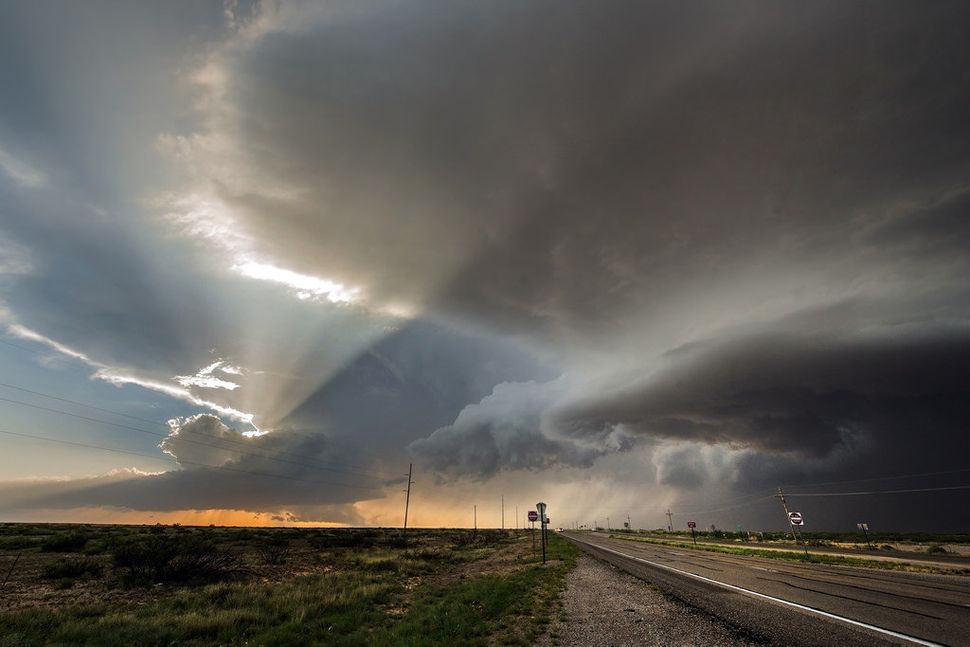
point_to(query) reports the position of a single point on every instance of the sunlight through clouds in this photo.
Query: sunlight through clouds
(305, 285)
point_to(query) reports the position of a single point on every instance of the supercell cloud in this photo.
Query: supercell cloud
(683, 251)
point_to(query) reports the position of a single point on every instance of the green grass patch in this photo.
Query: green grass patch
(511, 609)
(338, 609)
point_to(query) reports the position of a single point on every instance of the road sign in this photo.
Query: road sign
(533, 515)
(541, 508)
(691, 524)
(796, 518)
(862, 526)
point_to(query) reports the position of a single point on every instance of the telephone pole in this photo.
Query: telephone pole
(407, 500)
(784, 504)
(503, 512)
(516, 517)
(670, 520)
(475, 512)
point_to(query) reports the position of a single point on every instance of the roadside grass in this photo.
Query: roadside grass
(431, 592)
(507, 609)
(792, 556)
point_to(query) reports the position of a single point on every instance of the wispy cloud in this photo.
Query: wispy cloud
(206, 380)
(21, 172)
(121, 377)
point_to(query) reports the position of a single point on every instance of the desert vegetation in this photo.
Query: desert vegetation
(164, 585)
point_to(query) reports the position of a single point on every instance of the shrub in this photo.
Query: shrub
(15, 543)
(275, 552)
(887, 547)
(71, 568)
(343, 539)
(65, 542)
(173, 559)
(936, 548)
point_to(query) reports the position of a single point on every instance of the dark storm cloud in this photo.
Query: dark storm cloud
(505, 431)
(799, 395)
(618, 180)
(572, 168)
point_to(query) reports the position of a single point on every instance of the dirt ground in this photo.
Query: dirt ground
(603, 606)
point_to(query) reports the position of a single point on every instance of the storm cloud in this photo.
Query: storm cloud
(723, 242)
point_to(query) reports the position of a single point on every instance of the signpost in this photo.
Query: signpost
(796, 519)
(541, 508)
(692, 525)
(533, 517)
(864, 527)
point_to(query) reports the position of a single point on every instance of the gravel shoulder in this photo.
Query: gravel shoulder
(603, 606)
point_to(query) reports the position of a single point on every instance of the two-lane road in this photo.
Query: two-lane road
(800, 604)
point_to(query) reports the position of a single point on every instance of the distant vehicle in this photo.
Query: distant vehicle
(558, 529)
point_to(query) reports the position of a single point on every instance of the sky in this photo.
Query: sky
(256, 258)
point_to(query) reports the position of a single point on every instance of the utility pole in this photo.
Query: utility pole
(407, 500)
(608, 527)
(503, 512)
(784, 504)
(475, 512)
(516, 517)
(670, 520)
(629, 524)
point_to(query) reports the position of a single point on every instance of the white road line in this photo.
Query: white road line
(888, 632)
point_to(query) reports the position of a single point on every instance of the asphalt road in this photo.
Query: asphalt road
(948, 560)
(789, 603)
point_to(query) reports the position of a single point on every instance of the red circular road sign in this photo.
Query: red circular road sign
(796, 518)
(533, 515)
(691, 524)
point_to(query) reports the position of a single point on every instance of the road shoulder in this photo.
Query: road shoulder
(603, 605)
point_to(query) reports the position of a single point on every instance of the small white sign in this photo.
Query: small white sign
(796, 518)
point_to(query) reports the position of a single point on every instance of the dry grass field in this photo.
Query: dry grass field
(164, 585)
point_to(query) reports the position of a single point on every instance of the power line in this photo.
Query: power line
(81, 404)
(140, 419)
(17, 346)
(727, 502)
(925, 489)
(249, 450)
(185, 462)
(729, 507)
(883, 478)
(119, 413)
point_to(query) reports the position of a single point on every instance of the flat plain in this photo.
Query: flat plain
(163, 585)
